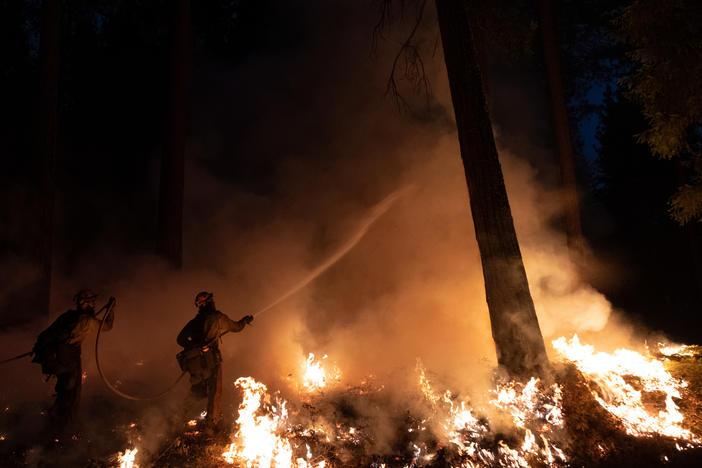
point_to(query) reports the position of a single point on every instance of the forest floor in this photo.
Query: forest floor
(590, 436)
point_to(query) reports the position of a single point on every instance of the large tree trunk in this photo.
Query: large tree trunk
(561, 130)
(170, 216)
(46, 147)
(515, 327)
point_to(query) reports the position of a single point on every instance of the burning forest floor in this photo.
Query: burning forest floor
(619, 409)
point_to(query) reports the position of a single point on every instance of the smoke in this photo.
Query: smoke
(288, 154)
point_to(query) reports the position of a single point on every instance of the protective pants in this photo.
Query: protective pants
(211, 387)
(68, 387)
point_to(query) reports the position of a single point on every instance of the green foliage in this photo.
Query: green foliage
(686, 204)
(666, 45)
(689, 369)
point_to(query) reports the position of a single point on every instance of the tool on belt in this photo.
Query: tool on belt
(199, 361)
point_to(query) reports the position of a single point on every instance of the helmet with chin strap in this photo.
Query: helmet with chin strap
(204, 298)
(83, 297)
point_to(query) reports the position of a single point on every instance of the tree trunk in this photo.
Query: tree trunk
(515, 327)
(561, 130)
(170, 219)
(47, 135)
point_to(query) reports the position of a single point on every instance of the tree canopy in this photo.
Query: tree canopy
(665, 46)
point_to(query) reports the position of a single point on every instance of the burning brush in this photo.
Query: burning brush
(449, 432)
(523, 424)
(127, 458)
(621, 380)
(317, 377)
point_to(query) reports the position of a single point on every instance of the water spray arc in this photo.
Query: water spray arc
(376, 212)
(373, 215)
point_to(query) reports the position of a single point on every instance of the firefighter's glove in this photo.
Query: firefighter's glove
(248, 319)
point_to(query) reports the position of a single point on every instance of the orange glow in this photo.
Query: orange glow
(618, 396)
(126, 458)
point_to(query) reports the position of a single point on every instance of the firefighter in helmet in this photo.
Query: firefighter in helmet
(201, 357)
(58, 351)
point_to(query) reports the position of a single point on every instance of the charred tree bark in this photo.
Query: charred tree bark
(46, 147)
(170, 214)
(515, 327)
(561, 130)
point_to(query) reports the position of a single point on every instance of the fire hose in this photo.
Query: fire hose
(109, 384)
(376, 212)
(29, 353)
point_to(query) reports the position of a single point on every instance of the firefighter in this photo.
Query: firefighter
(58, 350)
(201, 357)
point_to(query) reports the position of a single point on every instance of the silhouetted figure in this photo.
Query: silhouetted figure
(58, 350)
(201, 357)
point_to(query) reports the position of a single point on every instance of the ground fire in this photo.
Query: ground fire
(342, 234)
(524, 424)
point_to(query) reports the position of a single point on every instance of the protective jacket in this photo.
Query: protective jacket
(58, 347)
(201, 357)
(58, 351)
(200, 338)
(206, 327)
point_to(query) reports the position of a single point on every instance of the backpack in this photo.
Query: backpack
(52, 350)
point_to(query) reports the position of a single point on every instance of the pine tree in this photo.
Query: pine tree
(515, 328)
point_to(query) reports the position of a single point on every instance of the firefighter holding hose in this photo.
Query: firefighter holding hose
(201, 357)
(58, 351)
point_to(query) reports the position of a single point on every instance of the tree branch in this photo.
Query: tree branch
(408, 60)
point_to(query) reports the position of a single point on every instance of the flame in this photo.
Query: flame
(613, 374)
(671, 350)
(126, 458)
(266, 438)
(530, 403)
(315, 377)
(528, 406)
(258, 441)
